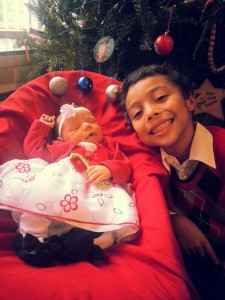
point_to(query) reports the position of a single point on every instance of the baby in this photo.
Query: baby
(69, 191)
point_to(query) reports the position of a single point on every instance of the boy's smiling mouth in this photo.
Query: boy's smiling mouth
(160, 127)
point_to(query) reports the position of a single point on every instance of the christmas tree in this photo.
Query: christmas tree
(114, 37)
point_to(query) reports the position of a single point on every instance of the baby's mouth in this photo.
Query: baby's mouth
(91, 136)
(161, 127)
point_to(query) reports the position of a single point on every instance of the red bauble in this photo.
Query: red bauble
(164, 44)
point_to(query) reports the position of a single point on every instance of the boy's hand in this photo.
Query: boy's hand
(48, 120)
(98, 173)
(191, 238)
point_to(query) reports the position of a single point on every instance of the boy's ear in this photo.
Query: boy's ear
(191, 103)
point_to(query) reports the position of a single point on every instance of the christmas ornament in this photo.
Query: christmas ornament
(208, 99)
(212, 41)
(58, 85)
(85, 83)
(104, 49)
(164, 44)
(112, 91)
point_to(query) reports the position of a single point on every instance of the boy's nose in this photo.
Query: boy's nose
(151, 111)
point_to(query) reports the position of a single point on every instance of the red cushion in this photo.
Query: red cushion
(150, 269)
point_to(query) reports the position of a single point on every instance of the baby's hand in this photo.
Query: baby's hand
(191, 238)
(48, 120)
(98, 173)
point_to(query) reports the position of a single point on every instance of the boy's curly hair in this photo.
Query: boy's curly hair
(180, 80)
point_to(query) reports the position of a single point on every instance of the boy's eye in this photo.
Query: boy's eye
(136, 115)
(161, 98)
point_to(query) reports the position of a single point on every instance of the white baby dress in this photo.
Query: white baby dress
(59, 192)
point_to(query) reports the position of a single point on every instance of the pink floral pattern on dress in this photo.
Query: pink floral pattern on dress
(28, 179)
(69, 203)
(23, 167)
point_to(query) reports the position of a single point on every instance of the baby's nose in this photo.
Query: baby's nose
(87, 125)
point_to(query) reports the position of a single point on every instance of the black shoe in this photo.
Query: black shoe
(77, 245)
(33, 252)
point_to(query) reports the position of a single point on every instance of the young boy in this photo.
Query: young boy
(159, 104)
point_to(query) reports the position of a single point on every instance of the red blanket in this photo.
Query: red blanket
(149, 269)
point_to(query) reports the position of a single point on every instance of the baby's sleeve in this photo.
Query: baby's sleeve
(119, 165)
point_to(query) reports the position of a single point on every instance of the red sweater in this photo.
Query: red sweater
(37, 144)
(202, 196)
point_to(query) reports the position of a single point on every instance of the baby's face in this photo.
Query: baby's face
(82, 127)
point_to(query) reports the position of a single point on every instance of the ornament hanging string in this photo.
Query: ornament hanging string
(202, 37)
(171, 11)
(204, 31)
(84, 82)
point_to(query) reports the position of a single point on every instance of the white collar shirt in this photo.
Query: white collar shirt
(201, 151)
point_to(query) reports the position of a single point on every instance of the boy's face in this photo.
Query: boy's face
(82, 126)
(160, 115)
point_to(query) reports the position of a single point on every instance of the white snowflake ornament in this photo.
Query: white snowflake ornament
(58, 86)
(112, 91)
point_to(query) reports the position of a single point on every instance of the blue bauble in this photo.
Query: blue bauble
(85, 83)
